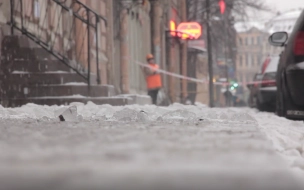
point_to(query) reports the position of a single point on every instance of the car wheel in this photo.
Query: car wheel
(281, 97)
(280, 111)
(260, 106)
(254, 102)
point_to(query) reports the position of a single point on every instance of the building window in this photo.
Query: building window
(248, 41)
(259, 60)
(259, 40)
(249, 60)
(252, 60)
(240, 41)
(36, 9)
(241, 61)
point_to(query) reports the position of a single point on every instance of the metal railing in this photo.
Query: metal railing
(67, 29)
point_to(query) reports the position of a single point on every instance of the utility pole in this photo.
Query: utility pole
(210, 65)
(184, 53)
(156, 29)
(171, 59)
(222, 6)
(228, 99)
(168, 79)
(124, 53)
(110, 43)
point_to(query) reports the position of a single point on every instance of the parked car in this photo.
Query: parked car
(253, 88)
(267, 89)
(290, 77)
(263, 90)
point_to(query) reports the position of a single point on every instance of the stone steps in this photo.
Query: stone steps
(69, 90)
(42, 78)
(66, 100)
(32, 75)
(39, 66)
(28, 53)
(24, 91)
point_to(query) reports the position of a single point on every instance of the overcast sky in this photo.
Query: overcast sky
(275, 6)
(284, 5)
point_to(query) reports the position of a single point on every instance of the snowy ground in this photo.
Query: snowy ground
(286, 136)
(146, 147)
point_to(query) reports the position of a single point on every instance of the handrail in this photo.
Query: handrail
(81, 41)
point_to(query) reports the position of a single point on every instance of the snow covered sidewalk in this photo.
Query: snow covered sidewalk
(145, 147)
(286, 136)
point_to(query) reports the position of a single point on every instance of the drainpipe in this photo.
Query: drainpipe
(156, 11)
(124, 52)
(210, 60)
(110, 43)
(171, 59)
(184, 53)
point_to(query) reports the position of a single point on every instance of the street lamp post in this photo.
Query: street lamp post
(226, 61)
(210, 65)
(222, 6)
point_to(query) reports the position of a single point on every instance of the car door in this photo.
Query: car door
(291, 86)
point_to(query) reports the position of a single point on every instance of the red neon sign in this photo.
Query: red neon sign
(186, 30)
(172, 28)
(189, 30)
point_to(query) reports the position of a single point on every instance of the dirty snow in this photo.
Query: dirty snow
(287, 137)
(134, 147)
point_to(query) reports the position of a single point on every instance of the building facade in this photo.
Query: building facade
(282, 22)
(253, 46)
(54, 25)
(102, 42)
(252, 49)
(140, 29)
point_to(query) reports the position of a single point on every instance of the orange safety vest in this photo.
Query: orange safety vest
(154, 81)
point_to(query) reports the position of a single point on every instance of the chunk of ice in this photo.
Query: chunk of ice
(179, 115)
(127, 114)
(67, 114)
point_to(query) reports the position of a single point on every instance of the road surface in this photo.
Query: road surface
(145, 147)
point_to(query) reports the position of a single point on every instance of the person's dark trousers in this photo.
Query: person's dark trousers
(153, 94)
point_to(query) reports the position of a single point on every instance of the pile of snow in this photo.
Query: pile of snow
(287, 137)
(149, 113)
(135, 143)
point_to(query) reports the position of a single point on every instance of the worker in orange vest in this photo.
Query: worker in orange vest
(153, 78)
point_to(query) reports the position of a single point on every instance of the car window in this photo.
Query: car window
(259, 77)
(273, 65)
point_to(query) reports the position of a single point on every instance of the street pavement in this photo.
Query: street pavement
(205, 149)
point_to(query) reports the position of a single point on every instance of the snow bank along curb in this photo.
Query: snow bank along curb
(133, 147)
(286, 136)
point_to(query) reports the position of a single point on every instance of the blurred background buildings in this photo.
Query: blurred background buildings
(56, 52)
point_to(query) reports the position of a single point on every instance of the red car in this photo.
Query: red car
(263, 90)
